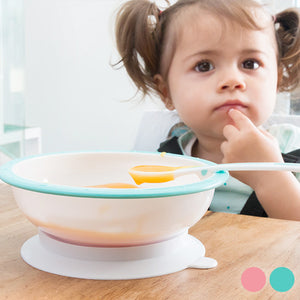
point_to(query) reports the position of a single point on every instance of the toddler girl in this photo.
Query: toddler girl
(220, 64)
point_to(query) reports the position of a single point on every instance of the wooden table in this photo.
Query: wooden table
(236, 242)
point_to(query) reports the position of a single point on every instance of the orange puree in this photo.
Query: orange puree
(116, 185)
(154, 168)
(144, 177)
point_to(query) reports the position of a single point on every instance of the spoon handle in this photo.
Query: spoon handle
(255, 166)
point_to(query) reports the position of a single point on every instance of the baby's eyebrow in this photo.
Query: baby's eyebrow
(216, 52)
(203, 53)
(253, 51)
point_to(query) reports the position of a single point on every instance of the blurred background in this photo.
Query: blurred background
(58, 91)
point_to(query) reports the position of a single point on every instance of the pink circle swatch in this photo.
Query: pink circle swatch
(253, 279)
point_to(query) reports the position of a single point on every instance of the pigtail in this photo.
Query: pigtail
(287, 26)
(137, 43)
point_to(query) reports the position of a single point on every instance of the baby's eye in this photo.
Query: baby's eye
(251, 64)
(204, 66)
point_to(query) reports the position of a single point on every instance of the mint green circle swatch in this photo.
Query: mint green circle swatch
(282, 279)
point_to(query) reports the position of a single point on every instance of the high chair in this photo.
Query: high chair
(156, 124)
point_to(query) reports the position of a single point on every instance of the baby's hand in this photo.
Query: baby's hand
(247, 143)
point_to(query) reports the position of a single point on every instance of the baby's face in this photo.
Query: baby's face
(220, 65)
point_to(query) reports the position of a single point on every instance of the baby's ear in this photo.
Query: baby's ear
(163, 91)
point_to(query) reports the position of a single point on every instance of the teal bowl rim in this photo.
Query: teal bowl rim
(7, 175)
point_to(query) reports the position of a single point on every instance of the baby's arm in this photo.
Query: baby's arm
(278, 192)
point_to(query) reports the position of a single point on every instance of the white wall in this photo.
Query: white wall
(72, 92)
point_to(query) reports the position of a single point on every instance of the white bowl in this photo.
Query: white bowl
(52, 192)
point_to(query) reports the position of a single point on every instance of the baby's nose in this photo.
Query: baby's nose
(231, 81)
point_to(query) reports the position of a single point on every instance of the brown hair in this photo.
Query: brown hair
(146, 37)
(287, 25)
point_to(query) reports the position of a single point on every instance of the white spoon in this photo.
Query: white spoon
(158, 174)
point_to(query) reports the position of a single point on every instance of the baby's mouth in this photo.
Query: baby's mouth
(231, 104)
